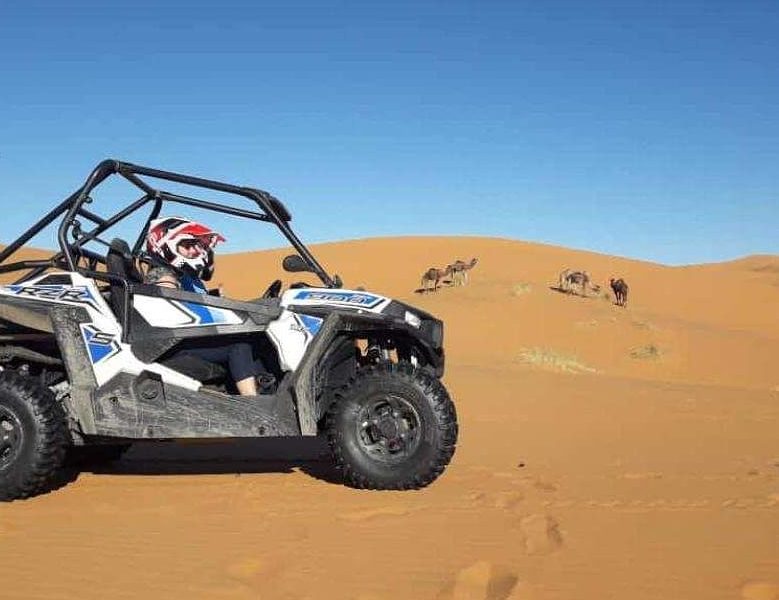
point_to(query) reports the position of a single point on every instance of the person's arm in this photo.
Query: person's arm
(163, 277)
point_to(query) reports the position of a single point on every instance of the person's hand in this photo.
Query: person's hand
(169, 281)
(163, 277)
(217, 291)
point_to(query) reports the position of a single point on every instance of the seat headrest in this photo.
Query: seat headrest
(121, 247)
(120, 260)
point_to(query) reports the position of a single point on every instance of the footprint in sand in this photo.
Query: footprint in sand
(542, 534)
(476, 497)
(643, 475)
(481, 581)
(6, 527)
(250, 570)
(508, 500)
(505, 475)
(385, 511)
(760, 590)
(742, 503)
(545, 485)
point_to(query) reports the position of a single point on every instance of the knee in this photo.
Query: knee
(241, 350)
(241, 361)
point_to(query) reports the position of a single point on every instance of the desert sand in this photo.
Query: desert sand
(603, 453)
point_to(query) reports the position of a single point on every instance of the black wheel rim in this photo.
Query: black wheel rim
(11, 436)
(389, 429)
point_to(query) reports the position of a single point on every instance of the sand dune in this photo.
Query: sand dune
(604, 453)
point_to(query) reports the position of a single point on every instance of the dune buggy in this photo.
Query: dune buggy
(90, 362)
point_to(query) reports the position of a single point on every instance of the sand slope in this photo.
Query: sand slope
(604, 453)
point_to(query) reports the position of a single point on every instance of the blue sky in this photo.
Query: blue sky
(643, 129)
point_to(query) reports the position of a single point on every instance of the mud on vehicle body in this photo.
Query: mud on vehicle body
(89, 358)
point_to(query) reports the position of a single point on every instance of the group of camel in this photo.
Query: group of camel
(569, 281)
(457, 271)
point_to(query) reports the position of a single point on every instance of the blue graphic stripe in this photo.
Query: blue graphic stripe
(78, 294)
(99, 348)
(203, 314)
(313, 324)
(354, 298)
(98, 352)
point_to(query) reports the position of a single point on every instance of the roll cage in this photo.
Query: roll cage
(72, 237)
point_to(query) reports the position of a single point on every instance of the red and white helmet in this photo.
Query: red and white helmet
(166, 235)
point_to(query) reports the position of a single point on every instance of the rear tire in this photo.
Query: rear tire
(33, 437)
(392, 427)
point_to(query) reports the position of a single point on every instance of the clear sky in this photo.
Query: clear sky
(647, 129)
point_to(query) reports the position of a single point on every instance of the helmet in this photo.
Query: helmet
(167, 234)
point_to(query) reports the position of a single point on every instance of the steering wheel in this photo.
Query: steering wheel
(273, 291)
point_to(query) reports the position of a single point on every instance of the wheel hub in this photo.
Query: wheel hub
(10, 437)
(388, 429)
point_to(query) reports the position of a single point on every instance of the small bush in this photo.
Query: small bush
(553, 360)
(648, 351)
(521, 289)
(588, 324)
(643, 324)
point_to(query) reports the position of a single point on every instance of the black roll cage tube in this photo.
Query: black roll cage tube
(273, 211)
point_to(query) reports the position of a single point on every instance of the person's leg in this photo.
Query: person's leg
(241, 363)
(247, 386)
(238, 359)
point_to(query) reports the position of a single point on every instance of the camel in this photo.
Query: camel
(569, 280)
(620, 289)
(434, 275)
(459, 270)
(562, 280)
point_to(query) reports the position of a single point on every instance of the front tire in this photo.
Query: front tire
(392, 427)
(33, 437)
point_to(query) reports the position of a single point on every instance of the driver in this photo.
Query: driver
(188, 247)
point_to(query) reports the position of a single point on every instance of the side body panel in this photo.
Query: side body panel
(298, 325)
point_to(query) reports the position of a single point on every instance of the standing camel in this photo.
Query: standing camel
(459, 270)
(562, 281)
(569, 280)
(620, 289)
(434, 275)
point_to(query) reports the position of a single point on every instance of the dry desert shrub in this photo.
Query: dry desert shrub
(604, 294)
(552, 360)
(767, 268)
(520, 289)
(646, 352)
(588, 324)
(643, 324)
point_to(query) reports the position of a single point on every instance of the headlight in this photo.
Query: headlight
(413, 320)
